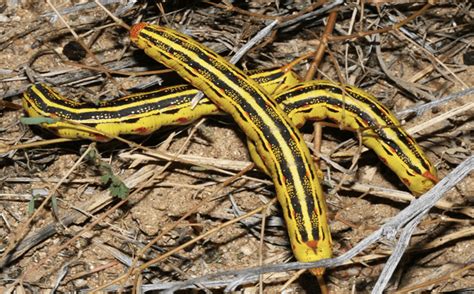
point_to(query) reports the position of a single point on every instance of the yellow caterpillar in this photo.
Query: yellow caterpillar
(280, 148)
(137, 114)
(358, 110)
(146, 112)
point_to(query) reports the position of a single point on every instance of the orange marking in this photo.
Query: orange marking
(406, 182)
(182, 120)
(317, 271)
(135, 30)
(430, 176)
(383, 160)
(313, 244)
(142, 130)
(101, 138)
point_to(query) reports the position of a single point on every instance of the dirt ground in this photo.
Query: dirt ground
(181, 184)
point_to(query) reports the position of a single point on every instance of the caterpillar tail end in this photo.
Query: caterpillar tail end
(318, 272)
(431, 177)
(135, 30)
(423, 183)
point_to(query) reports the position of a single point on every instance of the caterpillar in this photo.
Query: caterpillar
(136, 114)
(146, 112)
(361, 111)
(279, 147)
(315, 100)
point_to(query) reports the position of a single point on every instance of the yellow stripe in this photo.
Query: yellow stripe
(136, 114)
(314, 100)
(358, 110)
(282, 154)
(277, 141)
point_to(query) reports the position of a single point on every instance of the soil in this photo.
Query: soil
(84, 238)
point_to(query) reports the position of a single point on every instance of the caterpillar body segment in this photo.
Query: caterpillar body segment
(136, 114)
(277, 140)
(360, 111)
(314, 100)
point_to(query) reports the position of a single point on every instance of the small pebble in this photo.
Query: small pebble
(248, 249)
(4, 18)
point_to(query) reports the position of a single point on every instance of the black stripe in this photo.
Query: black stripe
(293, 104)
(98, 111)
(213, 81)
(401, 135)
